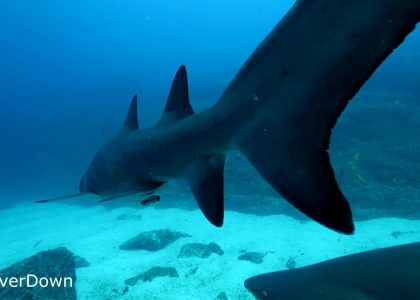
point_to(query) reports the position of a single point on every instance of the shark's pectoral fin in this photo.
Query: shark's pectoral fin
(205, 177)
(60, 198)
(301, 173)
(178, 103)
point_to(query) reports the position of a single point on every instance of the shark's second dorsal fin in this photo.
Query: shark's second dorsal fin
(131, 122)
(178, 104)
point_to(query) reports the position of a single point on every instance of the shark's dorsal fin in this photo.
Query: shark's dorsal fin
(131, 122)
(178, 104)
(205, 177)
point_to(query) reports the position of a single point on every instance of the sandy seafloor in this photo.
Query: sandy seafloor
(95, 234)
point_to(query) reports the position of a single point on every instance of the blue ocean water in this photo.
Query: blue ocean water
(68, 70)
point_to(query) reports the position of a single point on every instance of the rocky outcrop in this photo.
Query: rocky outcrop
(291, 263)
(221, 296)
(191, 272)
(80, 262)
(152, 240)
(127, 216)
(254, 257)
(151, 274)
(34, 277)
(199, 250)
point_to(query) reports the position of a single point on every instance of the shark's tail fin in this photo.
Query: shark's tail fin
(291, 91)
(205, 173)
(302, 175)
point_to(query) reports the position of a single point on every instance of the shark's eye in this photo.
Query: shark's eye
(264, 293)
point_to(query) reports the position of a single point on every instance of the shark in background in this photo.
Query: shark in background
(279, 111)
(386, 274)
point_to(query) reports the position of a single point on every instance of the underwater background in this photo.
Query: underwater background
(68, 70)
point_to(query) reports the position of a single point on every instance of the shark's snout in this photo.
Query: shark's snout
(252, 285)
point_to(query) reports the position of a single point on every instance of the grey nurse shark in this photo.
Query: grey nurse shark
(279, 111)
(382, 274)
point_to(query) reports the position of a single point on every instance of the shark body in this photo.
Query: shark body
(279, 111)
(386, 274)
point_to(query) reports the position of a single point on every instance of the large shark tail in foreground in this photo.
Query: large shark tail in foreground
(295, 85)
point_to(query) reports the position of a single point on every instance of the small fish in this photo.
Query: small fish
(37, 243)
(150, 200)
